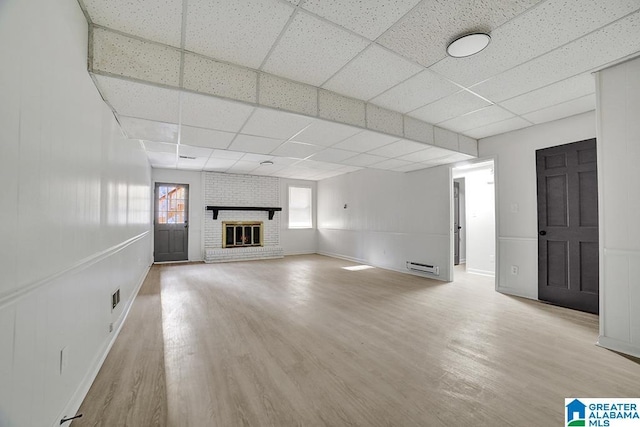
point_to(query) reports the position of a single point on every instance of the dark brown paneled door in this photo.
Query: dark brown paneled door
(568, 225)
(171, 223)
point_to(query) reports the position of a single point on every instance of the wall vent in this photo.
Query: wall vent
(423, 268)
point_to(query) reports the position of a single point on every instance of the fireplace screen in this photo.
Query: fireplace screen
(236, 234)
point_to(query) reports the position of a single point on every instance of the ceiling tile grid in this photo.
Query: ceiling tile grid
(596, 49)
(565, 109)
(398, 148)
(449, 107)
(296, 150)
(365, 141)
(333, 155)
(571, 88)
(521, 39)
(372, 72)
(326, 133)
(139, 100)
(275, 124)
(205, 75)
(498, 127)
(213, 113)
(240, 32)
(423, 34)
(149, 130)
(417, 91)
(255, 144)
(158, 20)
(368, 18)
(117, 54)
(477, 118)
(207, 138)
(312, 50)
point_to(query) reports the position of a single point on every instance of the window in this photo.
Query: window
(300, 207)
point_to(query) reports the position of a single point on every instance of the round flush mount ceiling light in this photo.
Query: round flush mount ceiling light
(468, 45)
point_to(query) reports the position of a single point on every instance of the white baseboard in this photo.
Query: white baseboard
(619, 346)
(481, 272)
(515, 293)
(77, 398)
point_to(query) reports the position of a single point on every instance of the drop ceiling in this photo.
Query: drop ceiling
(389, 54)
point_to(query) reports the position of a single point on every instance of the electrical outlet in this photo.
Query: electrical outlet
(110, 327)
(514, 270)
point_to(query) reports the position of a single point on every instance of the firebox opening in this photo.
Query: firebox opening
(240, 234)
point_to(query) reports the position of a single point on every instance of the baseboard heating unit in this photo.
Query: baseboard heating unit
(423, 268)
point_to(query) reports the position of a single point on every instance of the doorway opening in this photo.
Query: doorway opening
(171, 222)
(474, 218)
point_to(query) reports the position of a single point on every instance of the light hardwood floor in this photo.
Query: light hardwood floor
(302, 341)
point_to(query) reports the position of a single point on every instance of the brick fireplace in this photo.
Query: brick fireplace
(241, 191)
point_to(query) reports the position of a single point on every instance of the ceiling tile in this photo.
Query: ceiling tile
(275, 124)
(566, 109)
(157, 20)
(115, 53)
(242, 166)
(419, 90)
(410, 167)
(196, 164)
(189, 151)
(398, 148)
(217, 78)
(324, 166)
(160, 147)
(369, 18)
(371, 73)
(288, 95)
(520, 39)
(477, 118)
(205, 137)
(254, 144)
(498, 127)
(312, 50)
(572, 88)
(218, 165)
(451, 106)
(592, 51)
(162, 160)
(213, 113)
(365, 141)
(338, 108)
(251, 157)
(240, 32)
(423, 34)
(426, 155)
(149, 130)
(296, 150)
(333, 155)
(139, 100)
(322, 132)
(391, 164)
(226, 154)
(363, 160)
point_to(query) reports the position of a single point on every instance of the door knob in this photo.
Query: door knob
(543, 233)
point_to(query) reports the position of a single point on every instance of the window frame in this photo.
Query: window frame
(311, 204)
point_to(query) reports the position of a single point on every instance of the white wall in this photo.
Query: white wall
(390, 218)
(618, 95)
(515, 176)
(196, 205)
(297, 241)
(480, 219)
(74, 222)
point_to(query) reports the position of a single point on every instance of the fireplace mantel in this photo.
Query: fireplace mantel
(216, 209)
